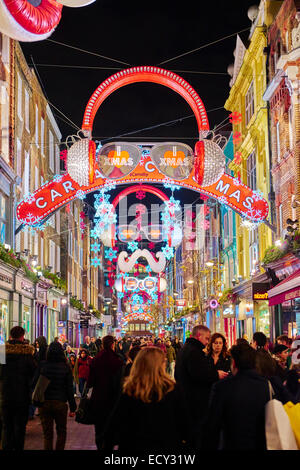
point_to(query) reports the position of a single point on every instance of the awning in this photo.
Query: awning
(286, 290)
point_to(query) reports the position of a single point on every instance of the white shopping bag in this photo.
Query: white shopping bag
(279, 433)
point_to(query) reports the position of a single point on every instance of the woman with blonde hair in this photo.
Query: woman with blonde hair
(150, 397)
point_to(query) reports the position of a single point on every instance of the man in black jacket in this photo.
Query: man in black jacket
(195, 374)
(237, 406)
(15, 389)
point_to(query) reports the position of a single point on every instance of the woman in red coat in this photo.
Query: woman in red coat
(83, 367)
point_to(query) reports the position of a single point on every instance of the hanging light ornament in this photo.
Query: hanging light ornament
(209, 161)
(80, 160)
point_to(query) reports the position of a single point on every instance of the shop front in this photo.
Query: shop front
(54, 299)
(261, 307)
(40, 327)
(246, 319)
(229, 323)
(284, 298)
(25, 291)
(74, 332)
(6, 289)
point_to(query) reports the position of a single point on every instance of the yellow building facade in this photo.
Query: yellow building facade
(252, 159)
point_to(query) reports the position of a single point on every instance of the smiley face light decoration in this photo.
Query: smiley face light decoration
(33, 20)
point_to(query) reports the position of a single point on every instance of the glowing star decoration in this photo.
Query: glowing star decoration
(238, 158)
(58, 178)
(170, 184)
(140, 195)
(94, 233)
(237, 137)
(258, 195)
(80, 194)
(95, 247)
(96, 262)
(132, 246)
(206, 224)
(236, 182)
(120, 295)
(168, 252)
(173, 205)
(29, 198)
(235, 117)
(110, 254)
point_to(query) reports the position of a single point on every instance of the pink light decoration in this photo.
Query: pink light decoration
(238, 158)
(140, 195)
(237, 137)
(235, 117)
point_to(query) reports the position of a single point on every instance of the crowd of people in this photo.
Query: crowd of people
(207, 395)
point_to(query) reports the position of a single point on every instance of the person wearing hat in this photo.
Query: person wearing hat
(280, 354)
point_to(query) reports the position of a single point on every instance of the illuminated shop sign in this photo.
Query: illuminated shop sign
(260, 290)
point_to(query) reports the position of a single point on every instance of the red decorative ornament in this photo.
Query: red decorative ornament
(238, 158)
(140, 195)
(151, 246)
(82, 215)
(237, 137)
(235, 117)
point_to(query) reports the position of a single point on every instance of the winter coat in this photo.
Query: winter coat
(84, 367)
(171, 355)
(195, 374)
(133, 424)
(177, 347)
(105, 377)
(92, 349)
(237, 409)
(61, 382)
(223, 363)
(17, 374)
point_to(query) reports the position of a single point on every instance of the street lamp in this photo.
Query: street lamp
(209, 264)
(190, 281)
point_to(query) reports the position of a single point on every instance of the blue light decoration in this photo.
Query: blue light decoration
(120, 295)
(29, 198)
(148, 269)
(168, 251)
(170, 184)
(96, 262)
(39, 227)
(105, 215)
(133, 246)
(95, 247)
(58, 178)
(110, 254)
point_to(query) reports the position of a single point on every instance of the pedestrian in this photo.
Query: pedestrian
(150, 396)
(161, 345)
(176, 345)
(74, 370)
(93, 350)
(259, 341)
(86, 345)
(237, 406)
(132, 353)
(58, 392)
(83, 369)
(41, 347)
(15, 389)
(195, 373)
(99, 344)
(218, 353)
(171, 358)
(105, 377)
(280, 354)
(69, 352)
(241, 341)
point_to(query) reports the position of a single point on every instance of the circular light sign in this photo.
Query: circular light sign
(213, 303)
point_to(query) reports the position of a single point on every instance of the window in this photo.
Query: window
(291, 128)
(37, 126)
(52, 256)
(70, 244)
(280, 219)
(81, 258)
(58, 258)
(26, 322)
(19, 104)
(19, 158)
(36, 178)
(57, 159)
(51, 152)
(230, 232)
(42, 135)
(25, 179)
(27, 110)
(278, 140)
(5, 122)
(35, 244)
(76, 250)
(5, 49)
(42, 253)
(226, 229)
(249, 103)
(253, 249)
(251, 171)
(3, 217)
(52, 221)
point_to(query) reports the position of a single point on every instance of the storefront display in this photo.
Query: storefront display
(26, 322)
(4, 327)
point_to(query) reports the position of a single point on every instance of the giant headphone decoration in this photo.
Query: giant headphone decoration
(121, 162)
(33, 20)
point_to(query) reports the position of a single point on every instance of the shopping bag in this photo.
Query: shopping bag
(293, 412)
(84, 413)
(38, 395)
(279, 433)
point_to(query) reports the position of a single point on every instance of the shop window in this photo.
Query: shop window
(278, 140)
(3, 321)
(251, 171)
(249, 103)
(26, 322)
(3, 217)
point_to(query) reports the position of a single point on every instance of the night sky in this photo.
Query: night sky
(140, 33)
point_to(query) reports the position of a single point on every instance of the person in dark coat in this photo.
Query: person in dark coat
(57, 394)
(237, 406)
(176, 345)
(83, 369)
(195, 373)
(15, 389)
(99, 344)
(93, 349)
(150, 396)
(217, 352)
(40, 346)
(105, 377)
(133, 352)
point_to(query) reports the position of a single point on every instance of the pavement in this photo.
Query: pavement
(79, 436)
